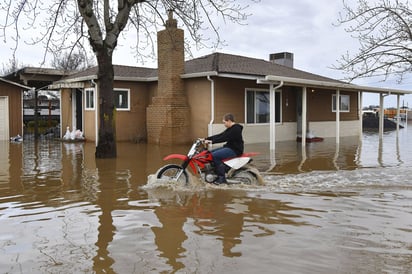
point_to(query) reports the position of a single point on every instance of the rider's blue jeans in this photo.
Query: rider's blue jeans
(218, 155)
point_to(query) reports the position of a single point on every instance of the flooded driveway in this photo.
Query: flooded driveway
(325, 209)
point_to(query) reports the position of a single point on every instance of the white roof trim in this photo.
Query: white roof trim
(315, 83)
(68, 82)
(135, 79)
(14, 83)
(215, 73)
(199, 74)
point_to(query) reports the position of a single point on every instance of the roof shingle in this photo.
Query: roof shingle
(234, 64)
(215, 62)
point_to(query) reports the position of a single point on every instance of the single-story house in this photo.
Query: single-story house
(11, 109)
(182, 100)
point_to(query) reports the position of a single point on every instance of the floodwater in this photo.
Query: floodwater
(324, 209)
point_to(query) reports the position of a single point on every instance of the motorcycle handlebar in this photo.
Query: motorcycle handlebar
(204, 141)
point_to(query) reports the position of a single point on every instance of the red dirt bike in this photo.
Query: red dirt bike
(200, 160)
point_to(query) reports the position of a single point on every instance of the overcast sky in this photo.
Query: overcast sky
(302, 27)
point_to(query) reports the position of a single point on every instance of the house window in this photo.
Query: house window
(122, 99)
(89, 98)
(258, 106)
(344, 101)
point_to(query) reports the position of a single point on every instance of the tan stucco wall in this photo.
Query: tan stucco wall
(14, 95)
(131, 124)
(320, 105)
(65, 110)
(289, 99)
(328, 128)
(259, 133)
(198, 98)
(229, 97)
(253, 134)
(89, 127)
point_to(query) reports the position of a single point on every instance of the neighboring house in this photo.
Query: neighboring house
(11, 105)
(48, 101)
(183, 100)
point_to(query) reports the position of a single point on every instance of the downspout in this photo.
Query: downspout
(212, 106)
(96, 114)
(304, 116)
(272, 114)
(337, 102)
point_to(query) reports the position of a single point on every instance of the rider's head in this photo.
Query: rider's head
(228, 119)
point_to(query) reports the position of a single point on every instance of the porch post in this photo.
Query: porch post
(398, 113)
(360, 106)
(304, 115)
(336, 156)
(381, 115)
(337, 102)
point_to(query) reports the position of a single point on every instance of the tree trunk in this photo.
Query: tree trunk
(106, 147)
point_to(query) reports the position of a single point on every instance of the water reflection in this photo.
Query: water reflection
(214, 224)
(64, 211)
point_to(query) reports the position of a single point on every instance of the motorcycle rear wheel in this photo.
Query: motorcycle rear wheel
(171, 172)
(244, 177)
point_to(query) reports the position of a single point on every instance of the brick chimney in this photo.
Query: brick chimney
(167, 116)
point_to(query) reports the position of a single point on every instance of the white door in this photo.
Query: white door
(4, 118)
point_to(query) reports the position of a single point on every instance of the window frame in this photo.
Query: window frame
(87, 98)
(278, 114)
(341, 96)
(115, 90)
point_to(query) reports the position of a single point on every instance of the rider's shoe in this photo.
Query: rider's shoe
(220, 180)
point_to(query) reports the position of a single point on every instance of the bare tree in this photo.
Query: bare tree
(12, 66)
(72, 61)
(383, 29)
(66, 24)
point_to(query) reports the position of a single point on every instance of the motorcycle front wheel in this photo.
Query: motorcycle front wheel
(173, 173)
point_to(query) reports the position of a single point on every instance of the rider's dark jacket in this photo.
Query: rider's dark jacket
(232, 136)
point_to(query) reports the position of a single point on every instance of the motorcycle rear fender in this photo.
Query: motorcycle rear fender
(237, 162)
(249, 154)
(240, 161)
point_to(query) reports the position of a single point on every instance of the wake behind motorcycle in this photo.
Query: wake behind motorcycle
(201, 163)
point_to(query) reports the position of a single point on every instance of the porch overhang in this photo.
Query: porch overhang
(273, 80)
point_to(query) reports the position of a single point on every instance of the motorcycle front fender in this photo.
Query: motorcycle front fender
(182, 157)
(175, 156)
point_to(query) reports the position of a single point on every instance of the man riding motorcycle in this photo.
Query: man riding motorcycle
(234, 145)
